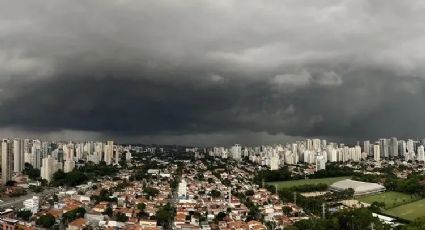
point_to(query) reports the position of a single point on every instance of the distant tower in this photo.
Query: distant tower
(7, 161)
(394, 147)
(18, 155)
(182, 189)
(109, 152)
(376, 152)
(366, 147)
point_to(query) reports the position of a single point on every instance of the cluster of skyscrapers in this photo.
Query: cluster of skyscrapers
(391, 147)
(319, 151)
(50, 157)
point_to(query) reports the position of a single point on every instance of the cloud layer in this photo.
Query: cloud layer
(212, 71)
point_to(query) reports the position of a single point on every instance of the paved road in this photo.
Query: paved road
(17, 201)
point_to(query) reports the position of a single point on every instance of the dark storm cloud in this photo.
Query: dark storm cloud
(224, 70)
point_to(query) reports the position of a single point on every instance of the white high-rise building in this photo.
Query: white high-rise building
(68, 166)
(366, 147)
(316, 144)
(309, 144)
(410, 146)
(182, 189)
(28, 158)
(323, 144)
(236, 151)
(394, 147)
(6, 161)
(402, 148)
(79, 151)
(128, 156)
(36, 157)
(384, 147)
(18, 155)
(309, 157)
(32, 204)
(410, 156)
(49, 167)
(421, 153)
(117, 157)
(95, 157)
(274, 162)
(376, 152)
(109, 152)
(320, 163)
(356, 153)
(69, 152)
(290, 157)
(27, 145)
(332, 154)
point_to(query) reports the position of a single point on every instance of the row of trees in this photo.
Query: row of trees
(82, 174)
(357, 219)
(313, 204)
(372, 178)
(333, 170)
(414, 184)
(310, 187)
(73, 178)
(283, 174)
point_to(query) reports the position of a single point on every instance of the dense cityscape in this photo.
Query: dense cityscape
(212, 115)
(309, 184)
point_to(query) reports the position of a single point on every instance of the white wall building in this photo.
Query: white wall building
(320, 163)
(18, 155)
(68, 166)
(274, 163)
(50, 166)
(6, 161)
(182, 189)
(376, 152)
(421, 153)
(32, 204)
(109, 152)
(236, 151)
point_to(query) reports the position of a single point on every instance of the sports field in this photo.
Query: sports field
(292, 183)
(409, 211)
(391, 199)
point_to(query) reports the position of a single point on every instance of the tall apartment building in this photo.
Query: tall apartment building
(7, 161)
(182, 189)
(18, 155)
(376, 152)
(236, 151)
(274, 162)
(48, 168)
(109, 152)
(32, 204)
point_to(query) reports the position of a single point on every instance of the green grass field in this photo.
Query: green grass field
(391, 199)
(292, 183)
(409, 211)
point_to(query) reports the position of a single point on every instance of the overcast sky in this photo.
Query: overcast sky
(212, 72)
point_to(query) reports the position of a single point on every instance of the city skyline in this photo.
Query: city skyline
(212, 115)
(212, 72)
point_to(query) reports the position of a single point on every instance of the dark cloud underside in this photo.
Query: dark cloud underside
(216, 71)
